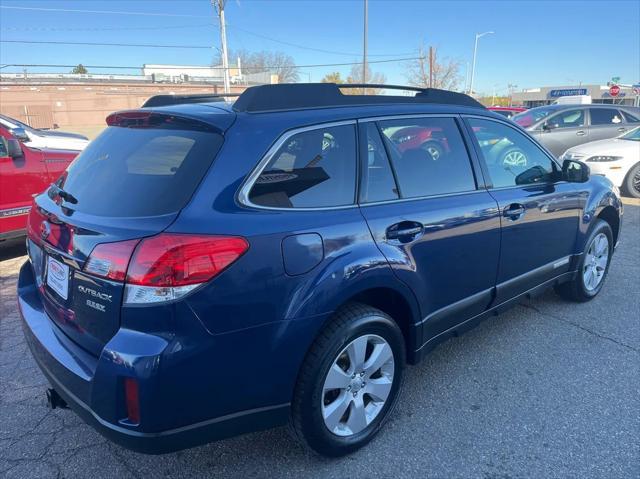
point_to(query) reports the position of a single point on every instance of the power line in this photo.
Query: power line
(170, 67)
(97, 44)
(99, 29)
(320, 50)
(110, 12)
(234, 27)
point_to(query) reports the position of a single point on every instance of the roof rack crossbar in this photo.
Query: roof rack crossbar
(296, 96)
(166, 100)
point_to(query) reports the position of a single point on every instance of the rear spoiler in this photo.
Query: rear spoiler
(166, 100)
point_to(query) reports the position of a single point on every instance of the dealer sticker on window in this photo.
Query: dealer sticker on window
(58, 277)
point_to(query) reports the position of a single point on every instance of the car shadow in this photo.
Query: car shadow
(12, 248)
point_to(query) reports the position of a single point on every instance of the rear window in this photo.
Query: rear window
(140, 171)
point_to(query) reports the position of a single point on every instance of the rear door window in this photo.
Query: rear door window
(630, 118)
(312, 169)
(428, 156)
(378, 183)
(605, 116)
(140, 171)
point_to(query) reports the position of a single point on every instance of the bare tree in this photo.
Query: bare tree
(276, 63)
(444, 72)
(355, 76)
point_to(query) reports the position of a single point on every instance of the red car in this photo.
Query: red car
(507, 111)
(24, 172)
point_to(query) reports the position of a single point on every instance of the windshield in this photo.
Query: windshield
(529, 117)
(140, 171)
(12, 123)
(633, 135)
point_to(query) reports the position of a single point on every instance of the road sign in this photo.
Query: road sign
(636, 88)
(615, 79)
(614, 90)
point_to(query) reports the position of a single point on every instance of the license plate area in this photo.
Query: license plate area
(57, 277)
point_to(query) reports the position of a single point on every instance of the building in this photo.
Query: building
(533, 97)
(211, 74)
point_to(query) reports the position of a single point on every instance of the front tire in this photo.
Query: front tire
(593, 267)
(632, 182)
(349, 381)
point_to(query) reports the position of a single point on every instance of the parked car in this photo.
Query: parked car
(507, 111)
(24, 172)
(618, 159)
(44, 139)
(560, 127)
(203, 270)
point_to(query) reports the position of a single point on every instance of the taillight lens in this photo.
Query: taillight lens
(164, 267)
(110, 260)
(181, 260)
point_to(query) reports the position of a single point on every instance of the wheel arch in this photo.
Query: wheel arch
(610, 215)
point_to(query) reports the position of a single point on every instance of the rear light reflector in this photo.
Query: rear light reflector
(132, 400)
(164, 267)
(110, 260)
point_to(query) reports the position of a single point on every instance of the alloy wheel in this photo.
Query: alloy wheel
(357, 385)
(595, 263)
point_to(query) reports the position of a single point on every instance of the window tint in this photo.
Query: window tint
(378, 183)
(605, 116)
(630, 118)
(314, 168)
(428, 156)
(567, 119)
(511, 157)
(140, 171)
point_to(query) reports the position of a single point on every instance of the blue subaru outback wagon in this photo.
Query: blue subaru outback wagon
(205, 269)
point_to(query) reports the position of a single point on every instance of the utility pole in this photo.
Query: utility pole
(218, 5)
(511, 88)
(475, 52)
(364, 49)
(430, 67)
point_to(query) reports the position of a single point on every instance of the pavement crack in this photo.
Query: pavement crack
(579, 326)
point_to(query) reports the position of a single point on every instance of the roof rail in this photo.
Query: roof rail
(294, 96)
(165, 100)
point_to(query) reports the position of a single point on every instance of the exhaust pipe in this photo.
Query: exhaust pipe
(54, 400)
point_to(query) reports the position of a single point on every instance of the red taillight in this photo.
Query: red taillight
(170, 260)
(110, 260)
(132, 400)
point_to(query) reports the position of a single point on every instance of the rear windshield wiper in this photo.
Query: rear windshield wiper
(57, 191)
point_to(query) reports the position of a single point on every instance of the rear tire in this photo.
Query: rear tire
(632, 182)
(593, 266)
(337, 421)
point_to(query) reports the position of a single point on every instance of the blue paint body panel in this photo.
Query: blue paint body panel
(225, 358)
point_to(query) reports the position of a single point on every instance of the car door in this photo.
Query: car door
(563, 130)
(605, 123)
(435, 223)
(20, 178)
(540, 213)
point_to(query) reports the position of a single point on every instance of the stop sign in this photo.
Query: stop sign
(614, 90)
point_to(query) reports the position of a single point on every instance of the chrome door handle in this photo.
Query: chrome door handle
(622, 129)
(580, 133)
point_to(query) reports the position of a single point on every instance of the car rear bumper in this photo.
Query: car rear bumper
(91, 385)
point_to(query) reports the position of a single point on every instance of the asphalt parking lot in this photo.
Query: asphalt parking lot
(549, 389)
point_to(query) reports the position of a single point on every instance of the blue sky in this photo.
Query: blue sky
(535, 43)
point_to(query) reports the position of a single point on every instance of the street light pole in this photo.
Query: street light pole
(364, 50)
(475, 53)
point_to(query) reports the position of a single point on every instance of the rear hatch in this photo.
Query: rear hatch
(130, 182)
